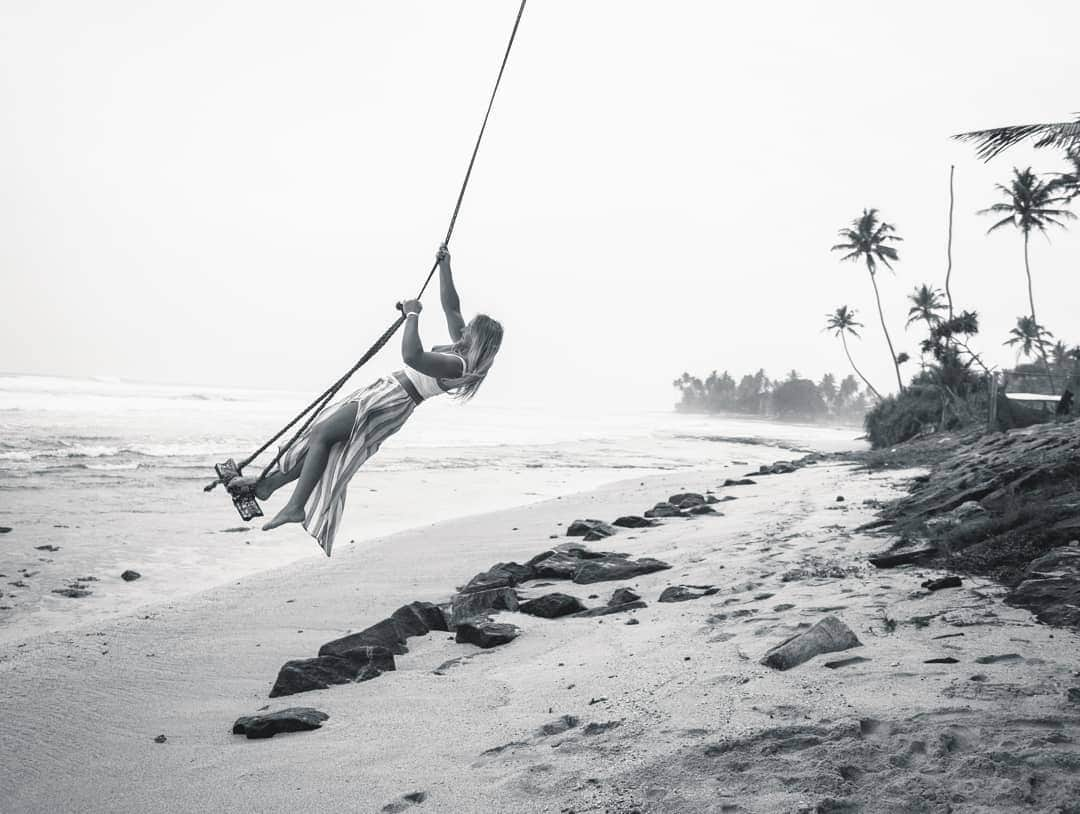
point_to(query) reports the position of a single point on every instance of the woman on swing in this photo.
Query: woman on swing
(346, 434)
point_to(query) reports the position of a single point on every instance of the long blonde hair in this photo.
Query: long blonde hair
(478, 346)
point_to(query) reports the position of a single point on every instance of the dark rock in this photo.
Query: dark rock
(942, 582)
(610, 609)
(558, 565)
(684, 593)
(664, 509)
(130, 576)
(501, 575)
(485, 633)
(420, 618)
(1054, 601)
(711, 499)
(5, 529)
(633, 620)
(562, 724)
(827, 636)
(552, 606)
(72, 593)
(942, 660)
(612, 568)
(387, 634)
(902, 558)
(839, 498)
(406, 802)
(633, 521)
(597, 534)
(478, 603)
(160, 739)
(304, 675)
(703, 509)
(996, 659)
(294, 719)
(690, 498)
(47, 547)
(739, 482)
(579, 528)
(621, 596)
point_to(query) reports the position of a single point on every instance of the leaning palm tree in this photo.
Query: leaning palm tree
(868, 239)
(1029, 204)
(925, 302)
(988, 143)
(842, 322)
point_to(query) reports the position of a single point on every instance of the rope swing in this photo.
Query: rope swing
(227, 471)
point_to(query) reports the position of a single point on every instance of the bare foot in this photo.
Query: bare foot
(262, 488)
(286, 515)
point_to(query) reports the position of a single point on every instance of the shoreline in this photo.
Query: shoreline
(685, 717)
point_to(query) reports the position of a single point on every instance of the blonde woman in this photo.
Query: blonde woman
(347, 433)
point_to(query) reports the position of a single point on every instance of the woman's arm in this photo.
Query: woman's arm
(448, 294)
(437, 365)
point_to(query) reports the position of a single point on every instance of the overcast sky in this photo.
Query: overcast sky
(237, 192)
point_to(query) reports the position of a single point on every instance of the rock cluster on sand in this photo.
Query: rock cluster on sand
(294, 719)
(999, 504)
(828, 636)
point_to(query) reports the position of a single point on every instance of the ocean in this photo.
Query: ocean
(101, 476)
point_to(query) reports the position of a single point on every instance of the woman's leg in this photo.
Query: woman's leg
(334, 430)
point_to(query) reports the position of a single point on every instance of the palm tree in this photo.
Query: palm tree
(1030, 337)
(925, 304)
(1060, 352)
(842, 322)
(1069, 182)
(988, 143)
(1029, 204)
(868, 240)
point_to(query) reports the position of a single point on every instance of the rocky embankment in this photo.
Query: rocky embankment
(1006, 505)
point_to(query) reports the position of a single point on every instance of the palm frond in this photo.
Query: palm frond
(989, 143)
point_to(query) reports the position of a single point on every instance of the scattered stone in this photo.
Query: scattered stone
(478, 603)
(664, 509)
(160, 739)
(485, 633)
(827, 636)
(996, 659)
(130, 576)
(684, 593)
(833, 665)
(902, 558)
(704, 509)
(552, 606)
(580, 528)
(839, 498)
(942, 582)
(609, 609)
(633, 620)
(407, 801)
(304, 675)
(562, 724)
(621, 596)
(739, 482)
(633, 521)
(616, 568)
(943, 660)
(47, 547)
(293, 719)
(72, 593)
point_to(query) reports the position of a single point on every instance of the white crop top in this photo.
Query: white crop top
(428, 386)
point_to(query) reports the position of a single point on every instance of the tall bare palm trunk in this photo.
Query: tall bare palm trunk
(858, 372)
(888, 339)
(948, 246)
(1031, 302)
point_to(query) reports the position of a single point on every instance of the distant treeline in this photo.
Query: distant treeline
(792, 398)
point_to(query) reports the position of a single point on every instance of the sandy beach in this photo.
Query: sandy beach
(671, 714)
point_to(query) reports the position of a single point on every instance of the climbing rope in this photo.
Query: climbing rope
(313, 409)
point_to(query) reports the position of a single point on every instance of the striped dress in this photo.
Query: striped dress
(381, 410)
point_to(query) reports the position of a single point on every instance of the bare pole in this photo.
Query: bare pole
(948, 244)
